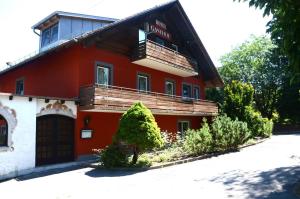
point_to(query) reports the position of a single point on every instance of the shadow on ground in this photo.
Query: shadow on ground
(274, 184)
(96, 173)
(47, 173)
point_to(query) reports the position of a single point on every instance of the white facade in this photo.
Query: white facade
(19, 157)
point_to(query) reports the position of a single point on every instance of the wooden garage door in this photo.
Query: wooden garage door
(54, 139)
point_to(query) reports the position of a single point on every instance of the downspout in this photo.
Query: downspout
(34, 30)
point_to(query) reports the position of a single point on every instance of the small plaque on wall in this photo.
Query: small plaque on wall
(86, 133)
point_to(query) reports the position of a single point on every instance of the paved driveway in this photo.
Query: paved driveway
(267, 170)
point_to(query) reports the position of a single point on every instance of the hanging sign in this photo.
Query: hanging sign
(160, 29)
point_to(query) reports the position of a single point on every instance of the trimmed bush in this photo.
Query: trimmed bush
(259, 126)
(113, 156)
(139, 130)
(198, 142)
(228, 134)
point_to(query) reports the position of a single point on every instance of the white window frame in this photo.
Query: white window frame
(180, 122)
(23, 90)
(110, 73)
(191, 91)
(142, 75)
(173, 87)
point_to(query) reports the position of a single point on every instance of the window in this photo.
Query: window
(3, 132)
(49, 35)
(143, 82)
(183, 126)
(170, 87)
(196, 92)
(159, 41)
(175, 47)
(103, 74)
(142, 36)
(186, 91)
(20, 87)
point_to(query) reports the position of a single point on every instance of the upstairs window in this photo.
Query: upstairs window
(186, 91)
(20, 87)
(196, 92)
(3, 132)
(49, 35)
(104, 74)
(170, 88)
(143, 82)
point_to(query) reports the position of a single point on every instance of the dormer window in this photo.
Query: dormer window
(49, 35)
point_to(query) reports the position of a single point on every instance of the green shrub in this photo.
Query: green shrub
(139, 130)
(113, 156)
(228, 134)
(259, 126)
(198, 141)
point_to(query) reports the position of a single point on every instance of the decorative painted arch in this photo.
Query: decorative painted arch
(11, 118)
(57, 108)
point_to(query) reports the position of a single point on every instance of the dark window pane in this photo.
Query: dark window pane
(20, 87)
(186, 91)
(54, 33)
(196, 93)
(45, 37)
(143, 83)
(3, 131)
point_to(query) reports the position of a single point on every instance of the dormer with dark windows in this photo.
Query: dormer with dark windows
(59, 27)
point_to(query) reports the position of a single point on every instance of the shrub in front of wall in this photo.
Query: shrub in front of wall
(199, 141)
(139, 130)
(113, 156)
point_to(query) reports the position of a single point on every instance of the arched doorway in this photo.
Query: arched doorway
(54, 139)
(3, 132)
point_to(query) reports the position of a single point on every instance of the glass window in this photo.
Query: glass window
(196, 92)
(143, 83)
(142, 36)
(103, 75)
(20, 87)
(170, 88)
(50, 35)
(54, 33)
(3, 131)
(183, 126)
(159, 41)
(186, 91)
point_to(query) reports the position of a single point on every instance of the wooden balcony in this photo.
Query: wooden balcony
(118, 99)
(158, 57)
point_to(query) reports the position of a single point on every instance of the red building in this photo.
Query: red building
(105, 65)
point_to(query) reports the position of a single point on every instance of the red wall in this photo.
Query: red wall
(60, 74)
(105, 125)
(54, 75)
(125, 72)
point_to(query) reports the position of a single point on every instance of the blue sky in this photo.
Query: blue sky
(221, 24)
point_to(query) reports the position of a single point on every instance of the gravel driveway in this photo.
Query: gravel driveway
(267, 170)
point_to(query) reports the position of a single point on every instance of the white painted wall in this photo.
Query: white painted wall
(21, 159)
(22, 156)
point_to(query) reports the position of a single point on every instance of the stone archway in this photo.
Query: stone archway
(11, 118)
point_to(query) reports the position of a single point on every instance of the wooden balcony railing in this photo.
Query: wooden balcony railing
(154, 55)
(119, 99)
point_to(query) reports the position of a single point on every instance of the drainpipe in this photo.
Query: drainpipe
(34, 30)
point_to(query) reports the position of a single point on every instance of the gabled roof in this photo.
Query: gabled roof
(212, 77)
(71, 15)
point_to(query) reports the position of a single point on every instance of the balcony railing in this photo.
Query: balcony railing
(119, 99)
(156, 56)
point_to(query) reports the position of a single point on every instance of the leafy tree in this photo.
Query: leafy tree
(237, 96)
(139, 130)
(258, 62)
(284, 27)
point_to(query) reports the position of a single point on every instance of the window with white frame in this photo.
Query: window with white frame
(49, 35)
(3, 132)
(103, 74)
(170, 87)
(143, 82)
(182, 127)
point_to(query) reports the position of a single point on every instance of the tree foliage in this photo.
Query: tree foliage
(139, 129)
(284, 27)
